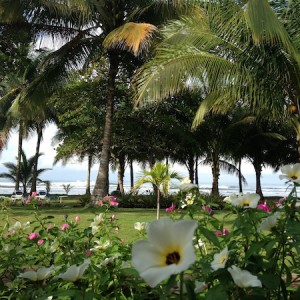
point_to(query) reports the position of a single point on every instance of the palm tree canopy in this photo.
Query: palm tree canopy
(231, 54)
(26, 170)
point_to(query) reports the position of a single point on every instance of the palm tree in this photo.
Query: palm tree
(160, 177)
(217, 134)
(83, 28)
(234, 53)
(26, 174)
(25, 115)
(119, 24)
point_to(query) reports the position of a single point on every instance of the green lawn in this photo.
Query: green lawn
(126, 216)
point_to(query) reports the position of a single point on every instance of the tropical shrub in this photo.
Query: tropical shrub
(143, 201)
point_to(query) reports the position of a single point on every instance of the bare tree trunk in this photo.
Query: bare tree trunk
(20, 142)
(216, 175)
(191, 170)
(37, 152)
(158, 204)
(131, 174)
(155, 188)
(121, 171)
(240, 176)
(102, 181)
(196, 171)
(257, 168)
(88, 178)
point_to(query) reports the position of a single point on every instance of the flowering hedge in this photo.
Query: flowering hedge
(190, 255)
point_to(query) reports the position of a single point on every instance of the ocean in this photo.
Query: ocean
(78, 188)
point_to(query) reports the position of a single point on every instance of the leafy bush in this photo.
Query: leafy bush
(142, 201)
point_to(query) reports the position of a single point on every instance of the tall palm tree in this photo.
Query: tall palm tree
(160, 177)
(26, 173)
(217, 134)
(43, 116)
(83, 27)
(11, 118)
(27, 116)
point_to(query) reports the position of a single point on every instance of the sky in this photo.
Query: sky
(75, 171)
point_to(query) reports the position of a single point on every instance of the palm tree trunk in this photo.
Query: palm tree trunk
(257, 168)
(216, 175)
(101, 185)
(20, 142)
(88, 177)
(131, 174)
(240, 176)
(121, 171)
(190, 166)
(158, 204)
(155, 188)
(196, 171)
(37, 152)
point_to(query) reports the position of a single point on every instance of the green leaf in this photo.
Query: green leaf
(270, 245)
(271, 281)
(210, 236)
(254, 248)
(293, 228)
(171, 282)
(48, 217)
(297, 294)
(190, 290)
(216, 292)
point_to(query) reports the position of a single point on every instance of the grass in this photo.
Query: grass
(70, 207)
(126, 216)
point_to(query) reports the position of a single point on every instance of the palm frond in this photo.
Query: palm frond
(56, 66)
(4, 137)
(231, 169)
(131, 36)
(265, 26)
(175, 69)
(8, 176)
(46, 15)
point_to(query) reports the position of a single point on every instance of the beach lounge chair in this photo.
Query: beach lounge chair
(42, 195)
(18, 195)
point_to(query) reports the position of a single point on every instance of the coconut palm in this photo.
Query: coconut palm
(27, 116)
(26, 174)
(44, 115)
(83, 26)
(160, 176)
(233, 53)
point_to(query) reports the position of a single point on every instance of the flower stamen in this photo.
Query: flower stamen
(173, 258)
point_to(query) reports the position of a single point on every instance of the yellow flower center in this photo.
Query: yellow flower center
(246, 203)
(222, 259)
(294, 177)
(173, 258)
